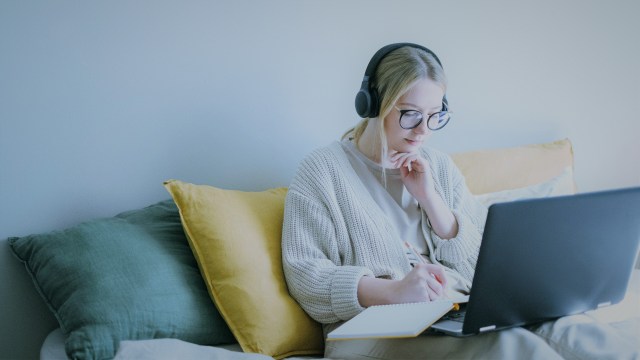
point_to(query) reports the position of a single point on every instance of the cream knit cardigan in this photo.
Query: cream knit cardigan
(334, 233)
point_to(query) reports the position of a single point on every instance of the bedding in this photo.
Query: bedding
(624, 317)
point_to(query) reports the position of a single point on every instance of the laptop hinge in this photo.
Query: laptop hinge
(487, 328)
(603, 304)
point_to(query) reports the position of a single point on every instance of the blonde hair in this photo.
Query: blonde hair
(396, 74)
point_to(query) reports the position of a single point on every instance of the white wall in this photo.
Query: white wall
(102, 101)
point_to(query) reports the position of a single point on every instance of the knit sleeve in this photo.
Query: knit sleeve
(324, 288)
(460, 252)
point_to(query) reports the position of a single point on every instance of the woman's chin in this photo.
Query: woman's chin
(408, 148)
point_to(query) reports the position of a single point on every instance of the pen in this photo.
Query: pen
(418, 255)
(415, 252)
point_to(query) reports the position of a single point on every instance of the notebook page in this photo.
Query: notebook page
(392, 321)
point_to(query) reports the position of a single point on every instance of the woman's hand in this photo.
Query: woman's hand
(416, 174)
(425, 282)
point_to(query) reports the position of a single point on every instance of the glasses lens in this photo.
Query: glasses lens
(410, 119)
(438, 120)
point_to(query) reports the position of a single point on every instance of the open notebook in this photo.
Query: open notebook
(540, 259)
(393, 321)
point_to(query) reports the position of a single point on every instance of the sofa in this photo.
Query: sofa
(199, 275)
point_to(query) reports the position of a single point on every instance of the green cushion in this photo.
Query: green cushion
(129, 277)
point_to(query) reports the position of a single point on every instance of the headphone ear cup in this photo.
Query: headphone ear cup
(375, 103)
(367, 105)
(363, 103)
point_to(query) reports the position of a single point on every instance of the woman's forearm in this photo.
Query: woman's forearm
(442, 220)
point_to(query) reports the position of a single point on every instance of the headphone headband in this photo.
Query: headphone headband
(385, 50)
(367, 101)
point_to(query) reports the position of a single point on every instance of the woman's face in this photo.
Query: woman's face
(425, 96)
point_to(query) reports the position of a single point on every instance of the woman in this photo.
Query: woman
(378, 218)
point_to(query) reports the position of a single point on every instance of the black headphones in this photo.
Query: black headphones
(367, 100)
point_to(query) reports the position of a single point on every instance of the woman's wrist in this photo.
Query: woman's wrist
(429, 195)
(374, 291)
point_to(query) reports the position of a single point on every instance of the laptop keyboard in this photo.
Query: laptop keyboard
(457, 316)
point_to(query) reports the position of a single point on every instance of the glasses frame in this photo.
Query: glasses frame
(402, 112)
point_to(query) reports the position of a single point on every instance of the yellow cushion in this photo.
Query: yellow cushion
(510, 168)
(236, 239)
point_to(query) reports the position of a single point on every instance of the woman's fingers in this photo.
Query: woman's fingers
(431, 277)
(398, 158)
(435, 289)
(411, 161)
(439, 274)
(404, 160)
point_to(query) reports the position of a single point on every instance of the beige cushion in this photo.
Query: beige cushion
(510, 168)
(560, 185)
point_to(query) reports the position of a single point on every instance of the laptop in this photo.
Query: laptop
(541, 259)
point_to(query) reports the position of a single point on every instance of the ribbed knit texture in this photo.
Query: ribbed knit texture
(334, 233)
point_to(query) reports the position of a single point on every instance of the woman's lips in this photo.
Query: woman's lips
(413, 142)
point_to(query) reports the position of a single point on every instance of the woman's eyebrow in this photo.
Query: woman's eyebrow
(435, 108)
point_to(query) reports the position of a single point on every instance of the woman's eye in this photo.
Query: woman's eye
(413, 114)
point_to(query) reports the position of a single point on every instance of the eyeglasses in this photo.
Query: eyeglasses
(411, 119)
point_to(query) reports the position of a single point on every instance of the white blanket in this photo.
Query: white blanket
(622, 318)
(171, 349)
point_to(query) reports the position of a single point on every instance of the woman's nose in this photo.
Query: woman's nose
(421, 128)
